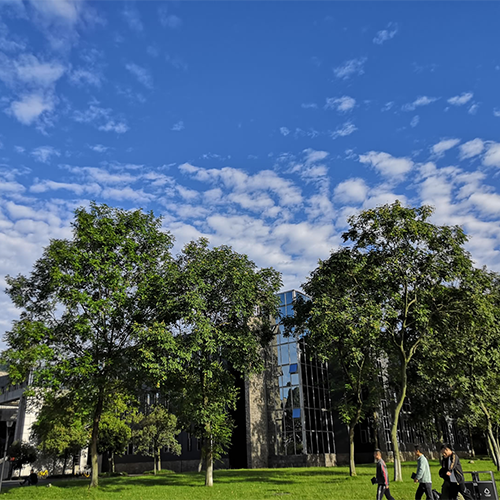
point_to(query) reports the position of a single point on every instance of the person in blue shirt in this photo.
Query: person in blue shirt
(423, 476)
(382, 477)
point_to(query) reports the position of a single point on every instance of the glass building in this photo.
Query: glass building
(302, 414)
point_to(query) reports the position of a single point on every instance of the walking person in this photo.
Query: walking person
(423, 476)
(453, 475)
(382, 477)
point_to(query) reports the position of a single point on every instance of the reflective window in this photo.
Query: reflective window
(302, 415)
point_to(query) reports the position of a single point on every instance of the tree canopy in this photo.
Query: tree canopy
(226, 309)
(81, 304)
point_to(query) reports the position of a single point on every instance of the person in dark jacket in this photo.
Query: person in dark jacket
(32, 479)
(382, 477)
(453, 475)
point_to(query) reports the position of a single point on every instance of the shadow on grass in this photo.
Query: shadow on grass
(277, 478)
(274, 478)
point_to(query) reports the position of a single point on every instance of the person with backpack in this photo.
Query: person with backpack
(423, 476)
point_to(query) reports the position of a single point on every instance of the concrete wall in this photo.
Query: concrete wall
(320, 460)
(256, 422)
(174, 465)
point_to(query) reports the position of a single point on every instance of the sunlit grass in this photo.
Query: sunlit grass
(258, 484)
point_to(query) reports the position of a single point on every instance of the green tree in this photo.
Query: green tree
(81, 304)
(21, 453)
(410, 262)
(342, 323)
(227, 309)
(59, 430)
(156, 429)
(470, 353)
(114, 437)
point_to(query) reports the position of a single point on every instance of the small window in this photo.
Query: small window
(296, 413)
(294, 368)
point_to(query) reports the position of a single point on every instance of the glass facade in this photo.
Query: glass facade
(302, 414)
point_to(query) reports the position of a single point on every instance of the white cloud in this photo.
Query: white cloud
(142, 74)
(384, 35)
(65, 10)
(418, 102)
(387, 165)
(414, 121)
(486, 203)
(101, 118)
(31, 106)
(83, 77)
(492, 155)
(177, 127)
(309, 105)
(444, 145)
(44, 74)
(340, 104)
(113, 126)
(239, 181)
(59, 20)
(496, 112)
(460, 100)
(388, 106)
(351, 191)
(471, 149)
(168, 20)
(473, 109)
(132, 18)
(43, 154)
(284, 131)
(79, 189)
(350, 68)
(313, 156)
(346, 129)
(99, 148)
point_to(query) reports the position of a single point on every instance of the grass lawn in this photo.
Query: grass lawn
(300, 484)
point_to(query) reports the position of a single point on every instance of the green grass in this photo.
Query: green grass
(258, 484)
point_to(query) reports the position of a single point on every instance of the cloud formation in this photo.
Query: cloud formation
(340, 104)
(350, 68)
(387, 34)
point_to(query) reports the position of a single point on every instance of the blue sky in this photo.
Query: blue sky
(262, 125)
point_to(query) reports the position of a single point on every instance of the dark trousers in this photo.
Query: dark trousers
(451, 490)
(424, 488)
(384, 490)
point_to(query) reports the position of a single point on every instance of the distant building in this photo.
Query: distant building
(285, 417)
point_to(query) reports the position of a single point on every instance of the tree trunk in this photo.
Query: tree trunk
(94, 482)
(209, 461)
(154, 462)
(439, 429)
(65, 464)
(491, 451)
(352, 464)
(112, 460)
(495, 449)
(159, 459)
(375, 428)
(494, 445)
(471, 442)
(394, 430)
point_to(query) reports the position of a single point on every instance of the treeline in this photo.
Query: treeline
(403, 297)
(111, 313)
